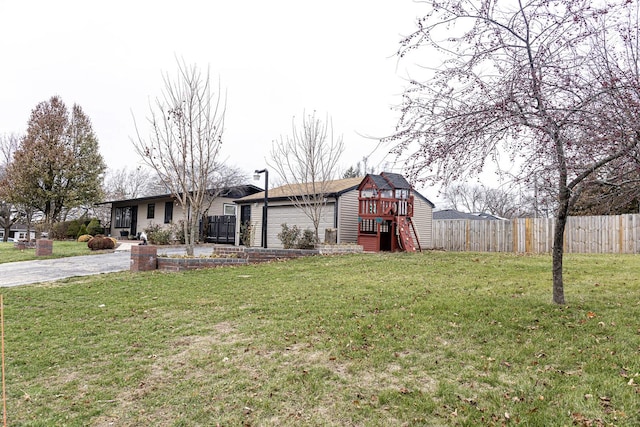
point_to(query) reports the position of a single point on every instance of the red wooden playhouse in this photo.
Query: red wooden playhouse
(384, 214)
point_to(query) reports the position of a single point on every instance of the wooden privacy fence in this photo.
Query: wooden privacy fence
(583, 234)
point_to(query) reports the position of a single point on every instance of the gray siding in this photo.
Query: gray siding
(348, 217)
(422, 218)
(280, 214)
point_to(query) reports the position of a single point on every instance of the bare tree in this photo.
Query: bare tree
(513, 202)
(183, 146)
(553, 85)
(464, 197)
(224, 179)
(10, 213)
(8, 145)
(306, 161)
(125, 183)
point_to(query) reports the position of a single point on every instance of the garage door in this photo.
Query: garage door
(291, 216)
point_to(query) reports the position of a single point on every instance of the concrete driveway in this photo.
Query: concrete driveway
(49, 270)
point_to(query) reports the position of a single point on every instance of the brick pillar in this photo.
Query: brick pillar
(44, 247)
(144, 257)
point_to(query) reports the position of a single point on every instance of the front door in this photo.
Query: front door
(134, 220)
(245, 221)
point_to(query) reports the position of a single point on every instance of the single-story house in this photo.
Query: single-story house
(340, 213)
(18, 231)
(130, 217)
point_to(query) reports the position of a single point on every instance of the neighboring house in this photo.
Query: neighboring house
(454, 214)
(130, 217)
(19, 231)
(340, 213)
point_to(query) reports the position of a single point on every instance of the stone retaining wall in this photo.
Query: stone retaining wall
(181, 264)
(241, 255)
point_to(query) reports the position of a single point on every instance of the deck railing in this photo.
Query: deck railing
(385, 207)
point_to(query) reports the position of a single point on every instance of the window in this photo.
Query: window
(229, 209)
(123, 217)
(402, 194)
(168, 212)
(151, 210)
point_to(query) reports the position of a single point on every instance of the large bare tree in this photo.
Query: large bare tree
(505, 202)
(126, 183)
(9, 213)
(306, 161)
(551, 86)
(183, 145)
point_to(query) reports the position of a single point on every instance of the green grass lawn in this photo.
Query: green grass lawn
(366, 340)
(8, 253)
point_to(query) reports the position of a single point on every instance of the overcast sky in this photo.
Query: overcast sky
(274, 58)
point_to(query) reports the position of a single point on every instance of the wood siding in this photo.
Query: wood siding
(583, 234)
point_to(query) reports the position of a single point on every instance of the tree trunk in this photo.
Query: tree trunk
(558, 245)
(188, 236)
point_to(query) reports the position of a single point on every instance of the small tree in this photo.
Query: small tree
(553, 86)
(184, 143)
(306, 161)
(353, 172)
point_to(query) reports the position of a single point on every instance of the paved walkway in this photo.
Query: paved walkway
(48, 270)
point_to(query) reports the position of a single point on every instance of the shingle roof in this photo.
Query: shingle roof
(337, 186)
(396, 180)
(229, 192)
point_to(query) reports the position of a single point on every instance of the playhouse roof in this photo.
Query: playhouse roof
(396, 180)
(388, 181)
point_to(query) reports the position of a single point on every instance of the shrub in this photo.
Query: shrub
(308, 240)
(73, 229)
(177, 230)
(83, 230)
(100, 242)
(94, 228)
(58, 230)
(246, 233)
(158, 235)
(85, 238)
(289, 236)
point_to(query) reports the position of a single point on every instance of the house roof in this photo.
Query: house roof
(333, 188)
(454, 214)
(230, 192)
